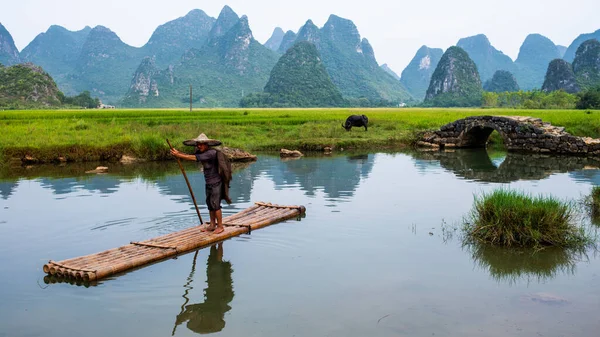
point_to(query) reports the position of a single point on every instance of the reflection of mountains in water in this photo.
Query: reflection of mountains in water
(7, 188)
(102, 184)
(336, 176)
(64, 179)
(96, 183)
(475, 164)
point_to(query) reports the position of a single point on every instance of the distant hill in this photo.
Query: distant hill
(502, 81)
(487, 58)
(560, 76)
(299, 79)
(586, 65)
(57, 50)
(572, 49)
(144, 85)
(274, 41)
(226, 20)
(534, 56)
(417, 75)
(287, 41)
(9, 54)
(170, 40)
(388, 70)
(105, 65)
(455, 81)
(230, 63)
(27, 86)
(561, 50)
(350, 61)
(193, 49)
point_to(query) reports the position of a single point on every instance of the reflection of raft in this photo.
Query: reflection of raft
(100, 265)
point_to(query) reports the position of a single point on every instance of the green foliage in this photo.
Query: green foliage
(534, 99)
(220, 73)
(560, 76)
(595, 195)
(569, 55)
(511, 218)
(170, 40)
(589, 99)
(501, 81)
(27, 86)
(351, 62)
(586, 64)
(83, 100)
(465, 89)
(299, 79)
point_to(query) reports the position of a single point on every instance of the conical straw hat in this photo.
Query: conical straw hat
(202, 139)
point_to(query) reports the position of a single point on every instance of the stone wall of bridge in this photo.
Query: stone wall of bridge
(523, 134)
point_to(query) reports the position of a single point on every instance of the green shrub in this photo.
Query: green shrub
(510, 218)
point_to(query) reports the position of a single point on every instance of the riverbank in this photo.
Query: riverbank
(92, 135)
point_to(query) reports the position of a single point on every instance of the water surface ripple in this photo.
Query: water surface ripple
(377, 253)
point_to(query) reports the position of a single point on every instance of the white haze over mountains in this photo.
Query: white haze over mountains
(395, 29)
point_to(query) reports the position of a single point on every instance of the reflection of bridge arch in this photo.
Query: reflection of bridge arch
(524, 134)
(475, 164)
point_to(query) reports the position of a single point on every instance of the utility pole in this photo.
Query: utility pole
(190, 98)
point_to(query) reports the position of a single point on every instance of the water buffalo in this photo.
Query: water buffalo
(355, 120)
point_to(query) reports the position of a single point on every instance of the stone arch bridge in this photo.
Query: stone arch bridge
(522, 134)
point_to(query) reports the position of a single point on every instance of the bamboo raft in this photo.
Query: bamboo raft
(97, 266)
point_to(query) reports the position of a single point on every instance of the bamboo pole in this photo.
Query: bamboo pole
(188, 184)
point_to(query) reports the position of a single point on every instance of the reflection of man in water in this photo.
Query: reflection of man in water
(207, 317)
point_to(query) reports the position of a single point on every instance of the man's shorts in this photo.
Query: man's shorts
(213, 196)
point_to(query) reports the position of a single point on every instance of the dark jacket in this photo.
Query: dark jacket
(225, 173)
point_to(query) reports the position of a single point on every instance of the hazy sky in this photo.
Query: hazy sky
(395, 29)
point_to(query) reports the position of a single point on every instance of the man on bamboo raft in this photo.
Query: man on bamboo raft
(217, 175)
(208, 317)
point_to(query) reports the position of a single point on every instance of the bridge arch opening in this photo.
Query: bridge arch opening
(483, 136)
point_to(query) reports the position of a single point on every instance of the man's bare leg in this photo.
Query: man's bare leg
(219, 216)
(211, 226)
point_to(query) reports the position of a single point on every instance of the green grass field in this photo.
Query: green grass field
(103, 134)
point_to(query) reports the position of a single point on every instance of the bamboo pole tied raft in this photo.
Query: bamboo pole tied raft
(97, 266)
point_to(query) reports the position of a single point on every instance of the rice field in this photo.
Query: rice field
(102, 134)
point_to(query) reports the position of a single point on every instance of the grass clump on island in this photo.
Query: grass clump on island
(84, 135)
(511, 218)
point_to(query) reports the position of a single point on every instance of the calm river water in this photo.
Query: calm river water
(375, 255)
